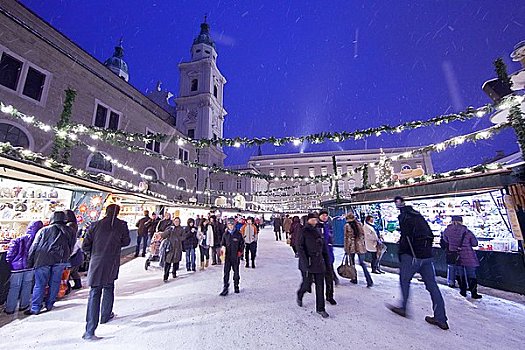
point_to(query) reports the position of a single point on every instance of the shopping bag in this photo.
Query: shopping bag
(347, 270)
(64, 283)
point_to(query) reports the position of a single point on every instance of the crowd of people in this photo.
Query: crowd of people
(47, 255)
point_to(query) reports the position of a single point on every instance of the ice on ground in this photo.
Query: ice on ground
(188, 313)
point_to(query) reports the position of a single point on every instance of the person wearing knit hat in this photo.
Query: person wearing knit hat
(325, 227)
(233, 247)
(313, 263)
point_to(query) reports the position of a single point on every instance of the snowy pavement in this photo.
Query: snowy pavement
(188, 313)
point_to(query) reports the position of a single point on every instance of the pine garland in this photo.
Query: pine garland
(501, 71)
(517, 122)
(365, 176)
(62, 144)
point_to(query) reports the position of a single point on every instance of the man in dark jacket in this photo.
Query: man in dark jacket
(415, 255)
(313, 263)
(233, 244)
(218, 232)
(325, 227)
(142, 234)
(49, 255)
(277, 224)
(104, 240)
(152, 224)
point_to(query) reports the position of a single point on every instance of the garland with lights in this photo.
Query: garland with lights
(119, 135)
(518, 123)
(61, 144)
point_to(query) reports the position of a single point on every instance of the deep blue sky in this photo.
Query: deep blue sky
(293, 67)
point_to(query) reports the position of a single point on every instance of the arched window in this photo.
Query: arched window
(14, 135)
(181, 183)
(153, 173)
(194, 84)
(97, 162)
(215, 91)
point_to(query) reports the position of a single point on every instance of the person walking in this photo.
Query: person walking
(21, 279)
(49, 255)
(325, 226)
(233, 244)
(371, 241)
(164, 223)
(277, 224)
(151, 225)
(104, 240)
(174, 234)
(77, 255)
(460, 239)
(287, 226)
(415, 255)
(218, 231)
(190, 243)
(205, 235)
(142, 234)
(250, 234)
(313, 263)
(355, 244)
(295, 231)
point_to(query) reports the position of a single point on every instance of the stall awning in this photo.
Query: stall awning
(24, 171)
(456, 186)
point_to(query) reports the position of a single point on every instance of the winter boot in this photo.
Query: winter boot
(473, 284)
(224, 291)
(207, 263)
(462, 286)
(253, 264)
(202, 266)
(78, 284)
(236, 289)
(247, 264)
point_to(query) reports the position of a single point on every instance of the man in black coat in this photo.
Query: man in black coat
(151, 225)
(49, 255)
(277, 225)
(233, 244)
(415, 255)
(104, 240)
(142, 234)
(218, 232)
(313, 263)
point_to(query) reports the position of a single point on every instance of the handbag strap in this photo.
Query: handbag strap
(462, 239)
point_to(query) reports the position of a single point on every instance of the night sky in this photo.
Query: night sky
(296, 67)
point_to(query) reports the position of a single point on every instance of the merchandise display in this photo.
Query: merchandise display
(484, 214)
(21, 203)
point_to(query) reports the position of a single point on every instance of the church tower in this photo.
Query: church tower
(200, 111)
(117, 64)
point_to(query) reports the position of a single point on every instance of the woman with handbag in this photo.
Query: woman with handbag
(460, 241)
(355, 244)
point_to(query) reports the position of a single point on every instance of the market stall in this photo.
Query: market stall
(488, 204)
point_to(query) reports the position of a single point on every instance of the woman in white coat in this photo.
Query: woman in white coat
(371, 241)
(205, 236)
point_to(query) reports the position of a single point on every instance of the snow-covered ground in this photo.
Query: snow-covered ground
(188, 313)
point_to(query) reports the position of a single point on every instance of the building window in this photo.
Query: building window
(339, 170)
(326, 187)
(191, 133)
(34, 85)
(10, 69)
(341, 185)
(311, 172)
(194, 85)
(324, 171)
(105, 117)
(272, 173)
(183, 155)
(221, 185)
(239, 184)
(153, 146)
(295, 171)
(297, 188)
(312, 188)
(283, 172)
(182, 184)
(215, 91)
(22, 77)
(14, 135)
(98, 162)
(153, 173)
